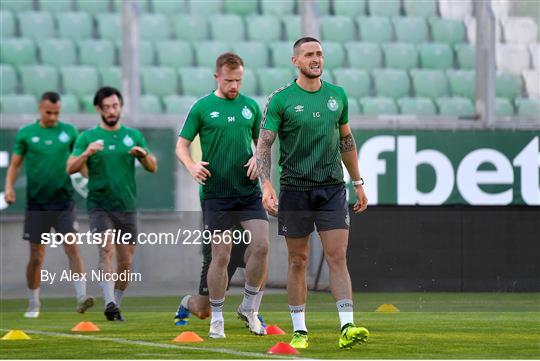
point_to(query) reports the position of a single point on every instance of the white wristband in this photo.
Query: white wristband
(358, 182)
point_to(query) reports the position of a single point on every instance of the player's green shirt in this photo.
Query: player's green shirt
(46, 151)
(308, 127)
(111, 171)
(226, 129)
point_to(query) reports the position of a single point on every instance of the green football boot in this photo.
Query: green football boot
(351, 335)
(299, 340)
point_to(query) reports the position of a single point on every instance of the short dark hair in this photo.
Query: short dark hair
(231, 60)
(52, 97)
(106, 92)
(306, 39)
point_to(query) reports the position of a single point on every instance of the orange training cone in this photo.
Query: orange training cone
(188, 336)
(274, 330)
(85, 326)
(282, 348)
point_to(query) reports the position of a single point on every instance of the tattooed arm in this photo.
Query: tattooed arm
(264, 161)
(347, 147)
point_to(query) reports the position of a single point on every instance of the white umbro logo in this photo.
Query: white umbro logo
(214, 114)
(299, 108)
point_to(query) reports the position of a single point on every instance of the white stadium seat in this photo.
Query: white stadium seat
(520, 30)
(513, 58)
(470, 25)
(455, 9)
(532, 83)
(501, 8)
(534, 48)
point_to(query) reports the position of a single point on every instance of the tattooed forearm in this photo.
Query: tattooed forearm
(347, 144)
(264, 153)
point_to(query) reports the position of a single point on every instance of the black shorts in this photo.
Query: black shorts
(299, 210)
(221, 214)
(102, 220)
(40, 218)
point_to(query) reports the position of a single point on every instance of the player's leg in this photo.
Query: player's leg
(258, 299)
(126, 222)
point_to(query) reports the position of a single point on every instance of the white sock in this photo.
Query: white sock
(345, 310)
(217, 309)
(80, 289)
(33, 299)
(258, 300)
(108, 291)
(185, 302)
(118, 294)
(298, 316)
(250, 294)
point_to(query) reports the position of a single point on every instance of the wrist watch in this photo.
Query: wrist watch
(358, 182)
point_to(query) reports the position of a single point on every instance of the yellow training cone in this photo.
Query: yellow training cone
(16, 335)
(387, 307)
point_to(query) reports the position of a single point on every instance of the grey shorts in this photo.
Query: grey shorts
(102, 220)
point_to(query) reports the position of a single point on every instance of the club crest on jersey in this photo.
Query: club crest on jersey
(128, 142)
(332, 104)
(214, 114)
(35, 139)
(63, 137)
(246, 113)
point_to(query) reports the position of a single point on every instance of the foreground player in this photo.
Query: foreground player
(310, 116)
(46, 145)
(108, 151)
(227, 123)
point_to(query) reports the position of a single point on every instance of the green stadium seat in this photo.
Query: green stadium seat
(508, 85)
(278, 8)
(197, 81)
(190, 27)
(417, 106)
(400, 55)
(8, 85)
(350, 8)
(466, 55)
(87, 102)
(462, 83)
(532, 82)
(150, 104)
(271, 79)
(261, 102)
(37, 79)
(79, 80)
(180, 105)
(97, 52)
(111, 76)
(293, 27)
(94, 7)
(503, 108)
(206, 52)
(266, 28)
(159, 80)
(281, 53)
(337, 28)
(322, 7)
(424, 8)
(17, 51)
(334, 55)
(436, 56)
(354, 108)
(56, 6)
(327, 76)
(429, 83)
(378, 106)
(154, 27)
(375, 29)
(146, 52)
(364, 55)
(174, 53)
(17, 6)
(240, 7)
(74, 25)
(205, 7)
(234, 25)
(18, 104)
(7, 24)
(384, 8)
(70, 104)
(455, 107)
(392, 83)
(249, 82)
(411, 29)
(142, 5)
(254, 54)
(109, 26)
(528, 108)
(36, 24)
(169, 7)
(449, 31)
(57, 52)
(356, 82)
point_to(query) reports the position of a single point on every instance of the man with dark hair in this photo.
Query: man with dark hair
(107, 153)
(46, 145)
(227, 123)
(311, 118)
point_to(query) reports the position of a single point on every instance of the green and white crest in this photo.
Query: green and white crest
(246, 113)
(63, 137)
(332, 104)
(128, 142)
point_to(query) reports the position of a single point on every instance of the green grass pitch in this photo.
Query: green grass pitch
(429, 326)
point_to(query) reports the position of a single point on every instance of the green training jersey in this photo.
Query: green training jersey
(308, 127)
(111, 171)
(226, 128)
(46, 151)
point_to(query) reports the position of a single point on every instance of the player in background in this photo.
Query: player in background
(107, 153)
(46, 145)
(311, 118)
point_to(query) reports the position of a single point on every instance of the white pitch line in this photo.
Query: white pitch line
(159, 345)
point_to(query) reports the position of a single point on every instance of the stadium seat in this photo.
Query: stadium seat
(322, 7)
(436, 56)
(206, 52)
(364, 55)
(534, 48)
(190, 27)
(109, 26)
(334, 55)
(532, 83)
(94, 7)
(429, 83)
(70, 104)
(400, 55)
(57, 52)
(513, 58)
(455, 9)
(111, 76)
(18, 104)
(17, 6)
(36, 25)
(470, 26)
(7, 24)
(416, 106)
(180, 105)
(8, 85)
(271, 79)
(266, 28)
(528, 108)
(278, 8)
(350, 8)
(423, 8)
(249, 82)
(169, 7)
(56, 6)
(501, 8)
(141, 5)
(240, 7)
(356, 82)
(281, 52)
(79, 80)
(87, 102)
(261, 102)
(378, 106)
(254, 54)
(337, 28)
(74, 25)
(17, 51)
(503, 107)
(37, 79)
(96, 52)
(150, 104)
(174, 53)
(354, 107)
(197, 81)
(520, 30)
(146, 53)
(462, 83)
(292, 27)
(159, 80)
(455, 107)
(392, 83)
(411, 29)
(205, 7)
(447, 30)
(384, 8)
(154, 27)
(375, 29)
(508, 85)
(466, 55)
